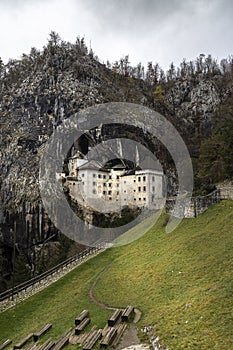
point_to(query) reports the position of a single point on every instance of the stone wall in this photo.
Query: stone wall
(191, 208)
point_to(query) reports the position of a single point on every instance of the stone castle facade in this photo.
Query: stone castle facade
(114, 188)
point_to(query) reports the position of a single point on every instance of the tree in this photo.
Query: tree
(216, 154)
(54, 39)
(158, 94)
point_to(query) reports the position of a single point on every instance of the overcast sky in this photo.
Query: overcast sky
(148, 30)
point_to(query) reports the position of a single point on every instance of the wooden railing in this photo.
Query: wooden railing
(10, 293)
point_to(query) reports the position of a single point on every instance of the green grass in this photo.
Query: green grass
(181, 281)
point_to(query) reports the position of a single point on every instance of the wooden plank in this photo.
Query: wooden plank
(46, 345)
(81, 317)
(109, 338)
(85, 336)
(120, 330)
(105, 330)
(88, 345)
(81, 326)
(32, 347)
(114, 318)
(5, 344)
(23, 342)
(42, 331)
(49, 345)
(63, 341)
(127, 313)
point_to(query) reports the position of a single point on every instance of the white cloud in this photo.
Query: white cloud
(147, 30)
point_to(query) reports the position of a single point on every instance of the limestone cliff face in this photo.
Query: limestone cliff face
(36, 94)
(43, 88)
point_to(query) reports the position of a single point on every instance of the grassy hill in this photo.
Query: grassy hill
(182, 282)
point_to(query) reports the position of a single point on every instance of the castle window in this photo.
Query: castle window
(83, 175)
(117, 192)
(109, 185)
(100, 176)
(139, 198)
(153, 188)
(118, 177)
(117, 185)
(104, 176)
(110, 198)
(139, 189)
(104, 192)
(144, 199)
(110, 177)
(94, 191)
(139, 178)
(94, 175)
(134, 199)
(144, 178)
(105, 184)
(94, 183)
(153, 178)
(144, 188)
(109, 192)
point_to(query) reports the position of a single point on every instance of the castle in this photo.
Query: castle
(112, 188)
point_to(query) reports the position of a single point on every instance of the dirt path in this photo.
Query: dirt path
(91, 291)
(105, 306)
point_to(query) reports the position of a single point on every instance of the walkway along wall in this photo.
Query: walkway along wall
(191, 208)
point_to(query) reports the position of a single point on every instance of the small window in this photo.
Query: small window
(139, 189)
(104, 192)
(124, 191)
(73, 183)
(153, 178)
(139, 198)
(125, 199)
(104, 176)
(83, 175)
(134, 199)
(94, 175)
(144, 199)
(94, 191)
(117, 192)
(153, 188)
(117, 185)
(94, 183)
(134, 180)
(109, 192)
(144, 178)
(124, 182)
(105, 184)
(144, 188)
(139, 178)
(110, 185)
(110, 177)
(100, 176)
(110, 198)
(118, 177)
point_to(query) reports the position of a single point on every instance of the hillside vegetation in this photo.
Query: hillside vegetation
(182, 282)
